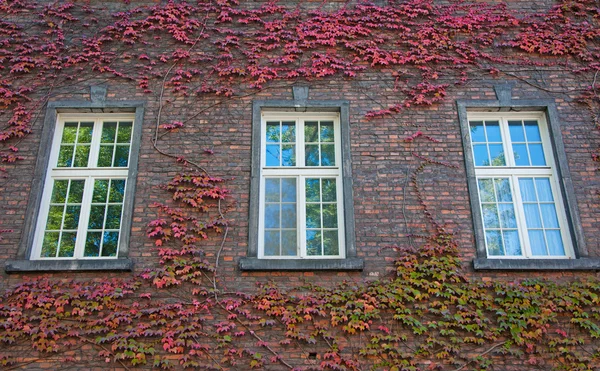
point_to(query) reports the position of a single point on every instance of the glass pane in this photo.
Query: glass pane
(105, 156)
(288, 190)
(313, 216)
(67, 245)
(503, 190)
(330, 216)
(69, 132)
(117, 190)
(492, 129)
(490, 216)
(327, 131)
(82, 154)
(311, 155)
(272, 155)
(289, 243)
(288, 155)
(543, 189)
(113, 217)
(124, 135)
(329, 193)
(516, 131)
(520, 153)
(330, 243)
(313, 243)
(272, 215)
(109, 247)
(121, 156)
(477, 132)
(76, 191)
(511, 243)
(100, 190)
(109, 130)
(92, 244)
(549, 216)
(85, 132)
(71, 217)
(536, 240)
(59, 191)
(532, 216)
(327, 155)
(50, 244)
(537, 155)
(288, 132)
(96, 217)
(494, 243)
(481, 155)
(288, 216)
(65, 156)
(527, 189)
(272, 132)
(486, 190)
(311, 133)
(507, 216)
(555, 245)
(532, 131)
(313, 192)
(272, 190)
(55, 215)
(497, 155)
(271, 243)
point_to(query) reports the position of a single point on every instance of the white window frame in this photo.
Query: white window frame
(89, 174)
(301, 172)
(514, 172)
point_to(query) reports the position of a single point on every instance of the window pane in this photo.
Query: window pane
(288, 155)
(96, 217)
(76, 191)
(100, 190)
(313, 243)
(109, 245)
(497, 155)
(124, 135)
(329, 192)
(105, 156)
(117, 190)
(109, 130)
(527, 189)
(490, 216)
(289, 243)
(288, 189)
(313, 216)
(494, 243)
(50, 245)
(313, 193)
(532, 131)
(331, 245)
(492, 129)
(59, 191)
(55, 215)
(555, 244)
(330, 216)
(69, 134)
(537, 155)
(521, 156)
(543, 189)
(65, 156)
(327, 131)
(272, 243)
(532, 216)
(92, 244)
(272, 132)
(288, 132)
(511, 243)
(311, 133)
(67, 245)
(71, 220)
(272, 215)
(272, 155)
(516, 131)
(327, 155)
(503, 191)
(481, 155)
(272, 190)
(288, 215)
(121, 156)
(536, 240)
(85, 132)
(486, 190)
(311, 155)
(113, 217)
(507, 216)
(477, 132)
(82, 153)
(549, 216)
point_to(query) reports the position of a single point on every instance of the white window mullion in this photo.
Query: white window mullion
(521, 219)
(300, 148)
(84, 217)
(95, 145)
(302, 216)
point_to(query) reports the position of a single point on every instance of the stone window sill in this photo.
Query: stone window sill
(16, 266)
(255, 264)
(583, 264)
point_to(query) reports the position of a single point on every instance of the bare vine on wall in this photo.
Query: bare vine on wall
(428, 316)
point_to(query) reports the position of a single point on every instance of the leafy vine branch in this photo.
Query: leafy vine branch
(428, 316)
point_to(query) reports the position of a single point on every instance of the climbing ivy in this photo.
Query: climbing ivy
(427, 316)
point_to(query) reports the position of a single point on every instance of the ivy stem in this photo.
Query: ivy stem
(482, 354)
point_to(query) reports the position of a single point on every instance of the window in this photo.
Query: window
(301, 192)
(520, 200)
(301, 212)
(82, 205)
